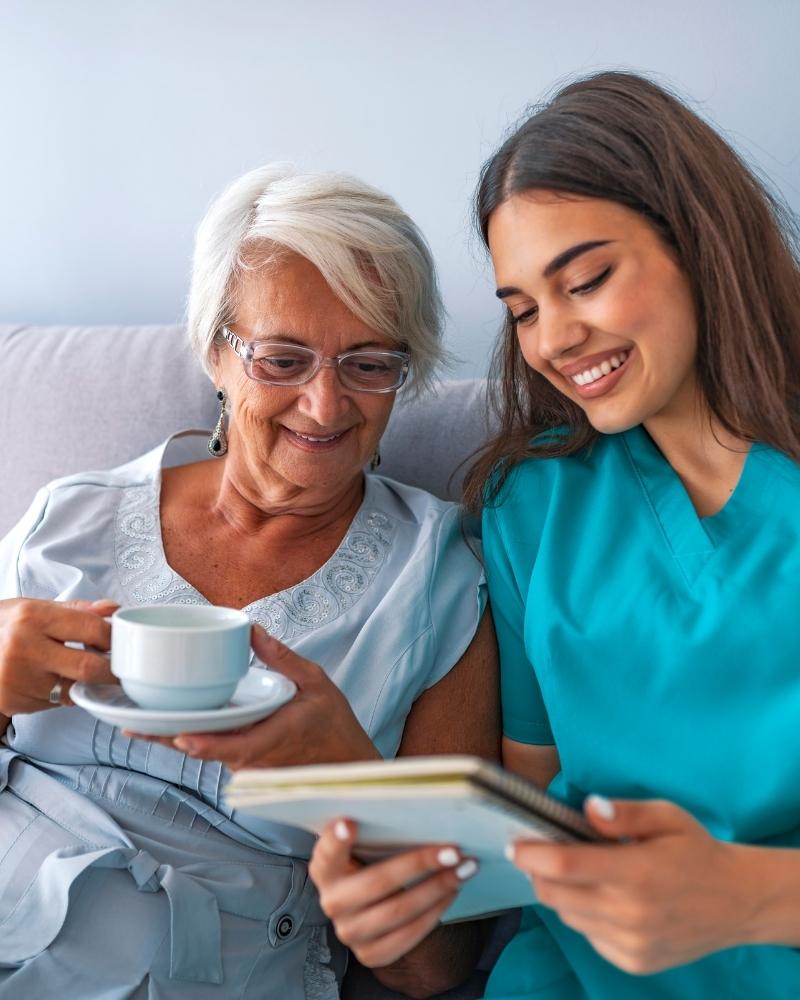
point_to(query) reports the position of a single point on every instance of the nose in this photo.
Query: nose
(558, 333)
(323, 398)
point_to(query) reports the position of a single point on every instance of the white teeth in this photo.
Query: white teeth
(598, 371)
(316, 440)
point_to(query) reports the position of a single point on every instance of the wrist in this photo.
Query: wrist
(358, 746)
(769, 878)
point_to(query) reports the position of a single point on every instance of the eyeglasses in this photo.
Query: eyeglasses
(277, 363)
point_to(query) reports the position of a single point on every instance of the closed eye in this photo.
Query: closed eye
(595, 282)
(525, 317)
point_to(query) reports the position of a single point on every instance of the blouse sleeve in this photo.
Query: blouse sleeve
(524, 714)
(457, 594)
(12, 549)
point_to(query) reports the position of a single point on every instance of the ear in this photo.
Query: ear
(215, 364)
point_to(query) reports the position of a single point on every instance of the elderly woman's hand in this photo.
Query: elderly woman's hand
(384, 910)
(317, 726)
(33, 654)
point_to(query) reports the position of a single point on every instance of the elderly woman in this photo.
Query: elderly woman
(313, 300)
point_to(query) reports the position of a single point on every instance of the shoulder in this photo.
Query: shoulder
(429, 536)
(408, 504)
(418, 517)
(426, 527)
(540, 476)
(144, 470)
(72, 505)
(139, 471)
(535, 488)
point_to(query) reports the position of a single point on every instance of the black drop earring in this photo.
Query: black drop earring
(218, 442)
(375, 461)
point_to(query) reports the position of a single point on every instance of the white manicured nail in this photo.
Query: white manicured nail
(510, 852)
(467, 870)
(340, 830)
(602, 806)
(448, 857)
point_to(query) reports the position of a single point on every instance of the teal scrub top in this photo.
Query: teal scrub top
(660, 652)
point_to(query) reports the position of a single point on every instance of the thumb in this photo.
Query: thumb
(631, 820)
(276, 656)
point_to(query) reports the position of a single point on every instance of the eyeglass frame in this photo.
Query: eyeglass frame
(246, 349)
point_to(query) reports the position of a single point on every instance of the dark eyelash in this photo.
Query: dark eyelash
(523, 316)
(594, 283)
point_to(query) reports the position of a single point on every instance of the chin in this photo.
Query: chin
(322, 478)
(613, 423)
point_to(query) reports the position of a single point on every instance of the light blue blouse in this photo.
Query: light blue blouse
(660, 652)
(122, 871)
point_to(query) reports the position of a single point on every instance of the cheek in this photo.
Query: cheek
(252, 410)
(527, 343)
(630, 311)
(658, 306)
(375, 414)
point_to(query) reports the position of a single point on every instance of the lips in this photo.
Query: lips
(316, 439)
(596, 375)
(315, 442)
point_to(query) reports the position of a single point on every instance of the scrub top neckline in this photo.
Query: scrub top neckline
(692, 538)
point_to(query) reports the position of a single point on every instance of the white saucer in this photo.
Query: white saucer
(258, 694)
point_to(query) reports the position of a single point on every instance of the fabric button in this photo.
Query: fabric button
(285, 927)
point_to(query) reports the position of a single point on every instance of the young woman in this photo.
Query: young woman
(642, 548)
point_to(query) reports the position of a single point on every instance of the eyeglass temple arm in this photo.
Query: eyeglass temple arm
(236, 342)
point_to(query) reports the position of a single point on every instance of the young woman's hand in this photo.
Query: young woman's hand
(383, 910)
(669, 894)
(34, 658)
(317, 726)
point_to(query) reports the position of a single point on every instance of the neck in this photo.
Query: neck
(708, 458)
(252, 505)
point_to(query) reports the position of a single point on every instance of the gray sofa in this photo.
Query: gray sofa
(79, 398)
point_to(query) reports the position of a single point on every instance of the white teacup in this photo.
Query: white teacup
(177, 657)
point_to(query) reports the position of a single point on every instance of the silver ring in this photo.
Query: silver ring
(55, 693)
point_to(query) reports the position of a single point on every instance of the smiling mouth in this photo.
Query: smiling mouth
(315, 441)
(595, 372)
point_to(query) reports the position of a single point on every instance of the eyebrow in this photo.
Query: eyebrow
(557, 264)
(288, 339)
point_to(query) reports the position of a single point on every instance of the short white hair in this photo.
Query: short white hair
(367, 249)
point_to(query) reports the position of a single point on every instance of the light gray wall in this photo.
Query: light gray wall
(120, 120)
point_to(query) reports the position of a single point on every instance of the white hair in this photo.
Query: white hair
(367, 249)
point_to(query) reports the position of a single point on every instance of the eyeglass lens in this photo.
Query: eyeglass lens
(288, 365)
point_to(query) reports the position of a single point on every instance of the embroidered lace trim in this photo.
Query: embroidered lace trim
(147, 578)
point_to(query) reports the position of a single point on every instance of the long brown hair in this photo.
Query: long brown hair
(623, 138)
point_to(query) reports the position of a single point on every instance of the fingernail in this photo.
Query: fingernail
(448, 857)
(467, 870)
(183, 744)
(340, 830)
(602, 806)
(510, 852)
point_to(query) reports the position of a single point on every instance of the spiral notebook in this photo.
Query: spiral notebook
(417, 800)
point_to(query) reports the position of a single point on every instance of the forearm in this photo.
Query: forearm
(443, 960)
(770, 877)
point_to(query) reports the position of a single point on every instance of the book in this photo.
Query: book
(398, 804)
